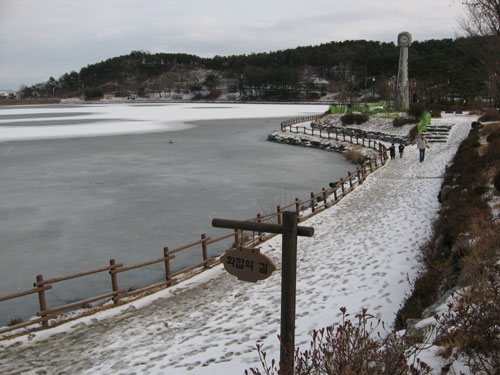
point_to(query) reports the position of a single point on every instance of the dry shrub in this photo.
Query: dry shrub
(482, 248)
(467, 162)
(471, 326)
(490, 115)
(354, 118)
(400, 121)
(352, 348)
(355, 156)
(490, 138)
(487, 129)
(413, 133)
(496, 181)
(424, 293)
(491, 157)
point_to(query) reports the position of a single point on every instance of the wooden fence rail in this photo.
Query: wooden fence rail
(316, 203)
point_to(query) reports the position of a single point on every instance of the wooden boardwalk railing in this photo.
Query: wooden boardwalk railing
(306, 208)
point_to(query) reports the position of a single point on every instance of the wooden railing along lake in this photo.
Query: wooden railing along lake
(315, 203)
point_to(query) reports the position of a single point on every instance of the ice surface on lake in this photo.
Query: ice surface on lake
(125, 119)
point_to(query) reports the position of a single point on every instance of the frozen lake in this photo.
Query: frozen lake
(84, 184)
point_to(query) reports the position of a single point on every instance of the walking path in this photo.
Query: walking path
(363, 255)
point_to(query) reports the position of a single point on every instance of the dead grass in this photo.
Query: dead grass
(355, 156)
(487, 129)
(490, 115)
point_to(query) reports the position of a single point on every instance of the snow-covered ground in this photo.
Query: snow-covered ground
(362, 255)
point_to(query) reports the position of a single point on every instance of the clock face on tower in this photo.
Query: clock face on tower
(404, 39)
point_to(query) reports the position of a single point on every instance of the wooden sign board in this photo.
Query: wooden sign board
(248, 264)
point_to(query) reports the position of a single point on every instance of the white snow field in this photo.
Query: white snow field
(362, 255)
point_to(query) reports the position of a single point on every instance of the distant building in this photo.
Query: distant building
(4, 94)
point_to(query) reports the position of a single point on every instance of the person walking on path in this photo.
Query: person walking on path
(392, 151)
(422, 144)
(401, 148)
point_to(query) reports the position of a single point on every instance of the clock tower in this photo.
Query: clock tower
(402, 83)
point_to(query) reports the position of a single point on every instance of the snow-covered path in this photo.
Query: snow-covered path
(363, 254)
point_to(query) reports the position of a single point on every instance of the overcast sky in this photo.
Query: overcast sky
(44, 38)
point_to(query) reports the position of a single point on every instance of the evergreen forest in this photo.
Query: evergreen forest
(442, 72)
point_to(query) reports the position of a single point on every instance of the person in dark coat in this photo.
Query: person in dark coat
(392, 151)
(401, 148)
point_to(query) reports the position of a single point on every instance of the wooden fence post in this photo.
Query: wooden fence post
(335, 192)
(360, 179)
(204, 249)
(114, 280)
(259, 221)
(167, 263)
(297, 206)
(324, 196)
(278, 211)
(288, 293)
(236, 240)
(313, 201)
(42, 300)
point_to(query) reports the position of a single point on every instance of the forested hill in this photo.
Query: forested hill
(438, 69)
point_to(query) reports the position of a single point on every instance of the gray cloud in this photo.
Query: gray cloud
(39, 39)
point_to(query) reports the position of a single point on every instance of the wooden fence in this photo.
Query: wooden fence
(336, 134)
(306, 208)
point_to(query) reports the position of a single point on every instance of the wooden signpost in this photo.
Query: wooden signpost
(248, 264)
(290, 230)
